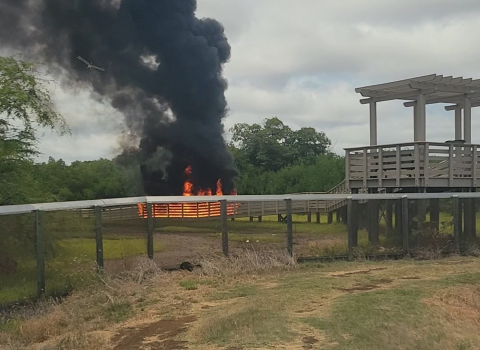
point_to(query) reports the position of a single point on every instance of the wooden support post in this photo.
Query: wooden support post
(309, 217)
(251, 218)
(389, 217)
(99, 237)
(435, 213)
(421, 210)
(372, 217)
(405, 225)
(150, 230)
(260, 218)
(330, 217)
(223, 218)
(279, 218)
(467, 120)
(458, 124)
(289, 227)
(337, 214)
(40, 250)
(474, 219)
(318, 217)
(352, 221)
(457, 223)
(398, 217)
(467, 219)
(470, 219)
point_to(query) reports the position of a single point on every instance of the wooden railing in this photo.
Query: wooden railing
(424, 163)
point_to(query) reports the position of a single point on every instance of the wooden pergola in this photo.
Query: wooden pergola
(461, 94)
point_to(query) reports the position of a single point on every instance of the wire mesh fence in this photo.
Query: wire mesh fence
(46, 252)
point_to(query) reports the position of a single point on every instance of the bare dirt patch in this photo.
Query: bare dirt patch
(362, 287)
(358, 272)
(309, 342)
(157, 335)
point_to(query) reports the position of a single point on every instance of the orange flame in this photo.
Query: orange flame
(191, 210)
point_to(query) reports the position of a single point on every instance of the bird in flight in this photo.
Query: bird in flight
(89, 65)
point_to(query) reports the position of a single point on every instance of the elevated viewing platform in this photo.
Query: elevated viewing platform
(415, 164)
(451, 164)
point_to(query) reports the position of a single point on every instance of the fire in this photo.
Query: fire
(191, 210)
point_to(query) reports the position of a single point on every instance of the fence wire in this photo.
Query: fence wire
(44, 253)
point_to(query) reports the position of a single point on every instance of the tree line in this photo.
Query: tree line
(270, 156)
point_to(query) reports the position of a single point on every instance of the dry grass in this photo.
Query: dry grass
(248, 260)
(263, 300)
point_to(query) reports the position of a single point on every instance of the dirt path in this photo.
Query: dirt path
(159, 335)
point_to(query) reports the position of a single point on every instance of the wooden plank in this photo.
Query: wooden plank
(365, 167)
(450, 166)
(399, 165)
(474, 166)
(347, 165)
(426, 160)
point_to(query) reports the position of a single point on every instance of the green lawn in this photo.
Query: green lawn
(71, 266)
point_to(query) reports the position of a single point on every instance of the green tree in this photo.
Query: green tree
(25, 106)
(273, 145)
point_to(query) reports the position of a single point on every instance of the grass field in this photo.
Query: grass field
(75, 245)
(243, 305)
(71, 266)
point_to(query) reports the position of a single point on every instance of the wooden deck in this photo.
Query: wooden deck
(234, 210)
(415, 164)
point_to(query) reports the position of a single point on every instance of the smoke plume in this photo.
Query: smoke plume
(163, 71)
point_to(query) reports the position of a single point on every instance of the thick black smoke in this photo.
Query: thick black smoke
(163, 71)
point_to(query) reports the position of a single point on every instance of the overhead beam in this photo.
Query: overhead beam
(446, 99)
(461, 106)
(409, 95)
(371, 88)
(445, 88)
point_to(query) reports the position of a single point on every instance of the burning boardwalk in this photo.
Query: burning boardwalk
(191, 210)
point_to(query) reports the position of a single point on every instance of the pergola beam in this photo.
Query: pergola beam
(445, 88)
(445, 99)
(409, 95)
(364, 90)
(461, 106)
(419, 92)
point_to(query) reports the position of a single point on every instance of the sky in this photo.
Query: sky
(301, 60)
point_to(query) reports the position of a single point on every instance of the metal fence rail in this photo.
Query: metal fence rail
(147, 209)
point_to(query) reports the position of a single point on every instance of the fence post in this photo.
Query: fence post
(288, 203)
(352, 225)
(457, 224)
(223, 218)
(98, 236)
(40, 247)
(405, 226)
(150, 230)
